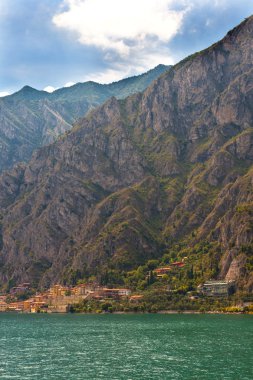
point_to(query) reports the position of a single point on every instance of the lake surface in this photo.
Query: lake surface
(36, 346)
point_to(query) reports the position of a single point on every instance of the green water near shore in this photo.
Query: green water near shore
(126, 347)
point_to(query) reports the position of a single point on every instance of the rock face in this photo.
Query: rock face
(30, 119)
(172, 165)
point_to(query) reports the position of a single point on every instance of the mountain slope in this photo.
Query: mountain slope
(31, 118)
(167, 171)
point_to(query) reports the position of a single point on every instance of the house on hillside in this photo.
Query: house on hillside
(79, 290)
(58, 290)
(178, 264)
(114, 293)
(218, 288)
(161, 271)
(136, 298)
(21, 288)
(164, 270)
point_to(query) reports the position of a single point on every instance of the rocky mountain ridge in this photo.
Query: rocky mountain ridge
(30, 118)
(163, 171)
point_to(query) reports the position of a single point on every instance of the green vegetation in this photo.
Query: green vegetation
(156, 300)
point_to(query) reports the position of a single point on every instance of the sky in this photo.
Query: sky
(48, 44)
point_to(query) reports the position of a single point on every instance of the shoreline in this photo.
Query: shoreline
(190, 312)
(161, 312)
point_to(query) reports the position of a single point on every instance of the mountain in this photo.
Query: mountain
(164, 173)
(30, 118)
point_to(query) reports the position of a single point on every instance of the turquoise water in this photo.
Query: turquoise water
(126, 347)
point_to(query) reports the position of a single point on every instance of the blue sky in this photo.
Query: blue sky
(59, 42)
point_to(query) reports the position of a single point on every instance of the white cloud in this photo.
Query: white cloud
(4, 93)
(121, 70)
(52, 89)
(69, 84)
(49, 89)
(111, 24)
(134, 33)
(107, 76)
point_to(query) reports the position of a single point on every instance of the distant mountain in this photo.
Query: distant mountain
(164, 173)
(30, 118)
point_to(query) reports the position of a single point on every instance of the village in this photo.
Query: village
(61, 298)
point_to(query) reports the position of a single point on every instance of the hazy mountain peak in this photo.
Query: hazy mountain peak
(28, 93)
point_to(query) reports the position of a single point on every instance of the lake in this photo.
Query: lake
(155, 346)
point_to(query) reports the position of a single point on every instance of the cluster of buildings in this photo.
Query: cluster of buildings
(59, 298)
(211, 288)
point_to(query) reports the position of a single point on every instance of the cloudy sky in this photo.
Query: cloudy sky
(55, 43)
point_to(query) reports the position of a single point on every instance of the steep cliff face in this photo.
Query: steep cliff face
(30, 118)
(137, 176)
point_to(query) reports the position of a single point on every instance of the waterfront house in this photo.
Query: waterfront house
(3, 306)
(58, 308)
(16, 306)
(28, 304)
(37, 307)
